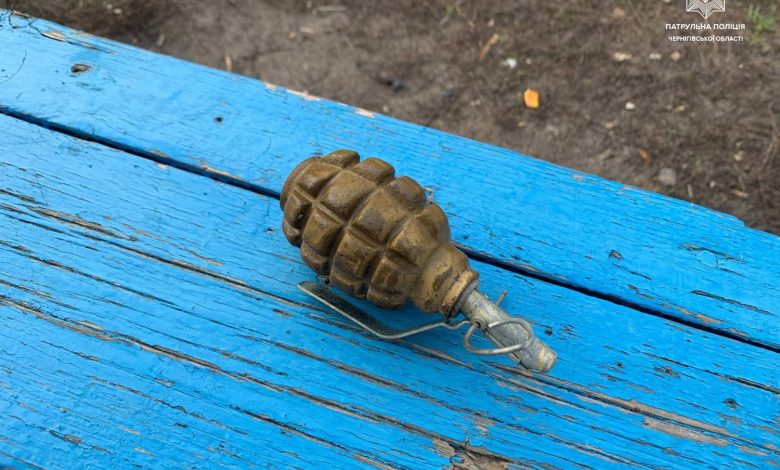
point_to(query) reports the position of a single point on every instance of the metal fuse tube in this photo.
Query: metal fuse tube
(506, 331)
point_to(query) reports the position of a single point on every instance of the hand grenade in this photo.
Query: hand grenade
(377, 237)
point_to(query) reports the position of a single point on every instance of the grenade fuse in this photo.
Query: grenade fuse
(377, 237)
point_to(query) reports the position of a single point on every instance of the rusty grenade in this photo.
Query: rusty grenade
(378, 237)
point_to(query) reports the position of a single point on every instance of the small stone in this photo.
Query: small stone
(630, 106)
(522, 124)
(621, 56)
(739, 156)
(510, 62)
(667, 177)
(618, 13)
(713, 184)
(676, 56)
(528, 61)
(679, 109)
(654, 56)
(385, 109)
(611, 124)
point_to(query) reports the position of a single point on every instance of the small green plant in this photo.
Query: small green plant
(762, 22)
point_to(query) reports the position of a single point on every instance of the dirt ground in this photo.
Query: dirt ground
(697, 121)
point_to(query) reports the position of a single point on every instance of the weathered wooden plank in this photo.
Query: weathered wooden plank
(660, 254)
(131, 285)
(76, 400)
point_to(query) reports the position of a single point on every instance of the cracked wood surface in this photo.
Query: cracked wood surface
(151, 316)
(662, 256)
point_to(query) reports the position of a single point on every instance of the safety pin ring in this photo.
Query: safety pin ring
(476, 324)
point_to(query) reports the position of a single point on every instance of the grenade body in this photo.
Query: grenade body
(374, 235)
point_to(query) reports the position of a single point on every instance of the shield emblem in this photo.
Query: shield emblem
(705, 7)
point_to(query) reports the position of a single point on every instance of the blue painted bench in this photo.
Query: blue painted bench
(150, 314)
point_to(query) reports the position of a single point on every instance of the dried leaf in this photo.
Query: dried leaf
(531, 98)
(645, 155)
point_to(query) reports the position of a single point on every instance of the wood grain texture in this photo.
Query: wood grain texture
(151, 316)
(664, 256)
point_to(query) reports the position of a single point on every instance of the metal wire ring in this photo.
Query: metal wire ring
(496, 351)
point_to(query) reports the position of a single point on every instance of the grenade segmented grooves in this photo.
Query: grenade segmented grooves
(374, 235)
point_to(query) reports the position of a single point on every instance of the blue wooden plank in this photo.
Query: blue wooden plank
(129, 298)
(668, 257)
(77, 400)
